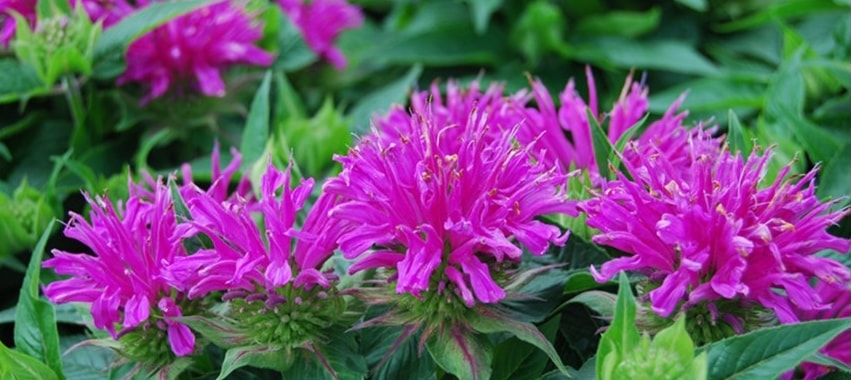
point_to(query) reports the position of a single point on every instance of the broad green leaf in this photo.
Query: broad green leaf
(263, 356)
(84, 362)
(256, 132)
(834, 181)
(779, 10)
(116, 39)
(289, 103)
(602, 146)
(668, 55)
(487, 321)
(390, 359)
(580, 281)
(341, 352)
(675, 339)
(622, 335)
(17, 80)
(740, 140)
(540, 30)
(18, 366)
(461, 353)
(35, 320)
(451, 46)
(628, 24)
(518, 360)
(379, 101)
(482, 10)
(603, 303)
(769, 352)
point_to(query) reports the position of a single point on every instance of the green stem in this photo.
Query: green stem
(78, 111)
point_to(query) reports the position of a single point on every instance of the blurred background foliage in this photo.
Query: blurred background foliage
(778, 69)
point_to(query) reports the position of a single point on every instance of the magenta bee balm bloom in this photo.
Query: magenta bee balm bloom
(320, 22)
(715, 235)
(189, 52)
(123, 281)
(444, 204)
(24, 7)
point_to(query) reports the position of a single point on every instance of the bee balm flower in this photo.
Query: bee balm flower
(320, 22)
(190, 51)
(715, 234)
(445, 204)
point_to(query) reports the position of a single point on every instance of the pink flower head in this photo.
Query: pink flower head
(123, 281)
(221, 180)
(457, 108)
(711, 233)
(666, 136)
(320, 22)
(25, 8)
(243, 257)
(443, 203)
(839, 299)
(191, 50)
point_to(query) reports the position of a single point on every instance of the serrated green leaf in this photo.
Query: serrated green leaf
(261, 356)
(380, 100)
(119, 36)
(518, 360)
(767, 353)
(675, 339)
(256, 132)
(18, 366)
(488, 321)
(341, 352)
(622, 335)
(461, 353)
(35, 320)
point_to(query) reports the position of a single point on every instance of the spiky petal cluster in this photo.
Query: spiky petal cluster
(25, 8)
(320, 22)
(123, 281)
(443, 202)
(245, 259)
(190, 51)
(665, 136)
(713, 233)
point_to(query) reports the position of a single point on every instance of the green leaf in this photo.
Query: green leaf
(482, 10)
(628, 24)
(218, 331)
(602, 146)
(603, 303)
(380, 100)
(261, 356)
(698, 5)
(116, 39)
(17, 80)
(256, 132)
(487, 321)
(18, 366)
(834, 181)
(539, 30)
(341, 352)
(767, 353)
(622, 335)
(518, 360)
(461, 353)
(35, 319)
(675, 339)
(390, 359)
(666, 55)
(779, 10)
(740, 140)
